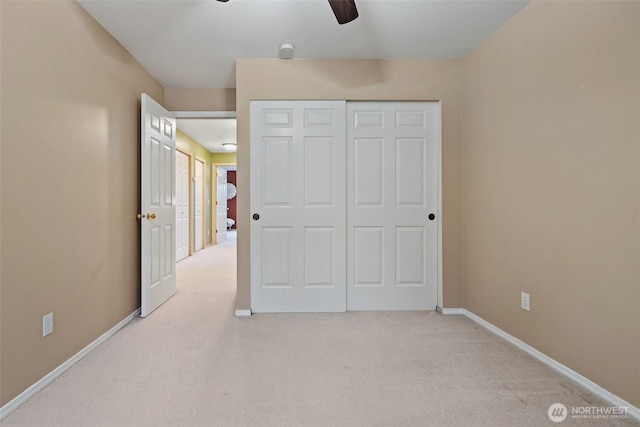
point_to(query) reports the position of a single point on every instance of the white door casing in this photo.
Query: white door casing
(297, 205)
(157, 166)
(198, 203)
(392, 194)
(221, 205)
(182, 205)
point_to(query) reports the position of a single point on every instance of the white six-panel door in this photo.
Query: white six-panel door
(182, 205)
(221, 205)
(392, 204)
(198, 225)
(157, 164)
(298, 206)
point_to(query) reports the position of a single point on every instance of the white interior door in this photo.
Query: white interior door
(392, 198)
(182, 208)
(298, 206)
(158, 148)
(221, 205)
(199, 204)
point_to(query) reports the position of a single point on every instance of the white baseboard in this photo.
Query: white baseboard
(13, 404)
(448, 311)
(243, 313)
(594, 388)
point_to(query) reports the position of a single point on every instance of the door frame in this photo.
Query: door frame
(208, 114)
(214, 197)
(439, 263)
(190, 203)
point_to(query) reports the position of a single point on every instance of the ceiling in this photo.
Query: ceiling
(194, 44)
(210, 133)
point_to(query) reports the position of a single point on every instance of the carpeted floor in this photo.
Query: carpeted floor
(192, 363)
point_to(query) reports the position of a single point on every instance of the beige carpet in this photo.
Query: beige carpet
(192, 363)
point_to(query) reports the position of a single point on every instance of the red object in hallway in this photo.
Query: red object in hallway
(231, 204)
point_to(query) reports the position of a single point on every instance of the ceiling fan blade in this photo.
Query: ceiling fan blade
(345, 10)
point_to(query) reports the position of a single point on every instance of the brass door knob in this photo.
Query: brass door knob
(151, 216)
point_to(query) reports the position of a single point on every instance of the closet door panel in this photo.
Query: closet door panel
(298, 260)
(392, 188)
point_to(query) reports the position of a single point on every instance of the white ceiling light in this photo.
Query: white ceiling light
(229, 146)
(286, 51)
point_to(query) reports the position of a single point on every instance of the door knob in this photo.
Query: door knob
(151, 216)
(432, 217)
(256, 217)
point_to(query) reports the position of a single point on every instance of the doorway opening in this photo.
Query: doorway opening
(205, 138)
(223, 183)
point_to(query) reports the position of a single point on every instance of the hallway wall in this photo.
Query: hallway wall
(192, 147)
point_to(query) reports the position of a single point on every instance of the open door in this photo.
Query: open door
(158, 209)
(221, 205)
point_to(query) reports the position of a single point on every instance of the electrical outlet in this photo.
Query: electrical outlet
(525, 301)
(47, 324)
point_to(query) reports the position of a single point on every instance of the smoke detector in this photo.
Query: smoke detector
(286, 51)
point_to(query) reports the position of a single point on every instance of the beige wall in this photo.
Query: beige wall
(551, 185)
(427, 80)
(200, 99)
(69, 187)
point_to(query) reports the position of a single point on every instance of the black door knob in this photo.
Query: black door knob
(432, 217)
(256, 217)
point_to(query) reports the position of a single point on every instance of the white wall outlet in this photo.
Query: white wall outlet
(525, 301)
(47, 324)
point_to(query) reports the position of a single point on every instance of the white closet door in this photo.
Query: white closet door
(298, 206)
(182, 206)
(392, 189)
